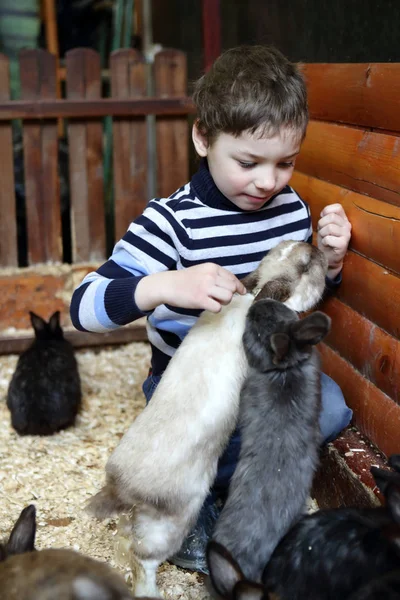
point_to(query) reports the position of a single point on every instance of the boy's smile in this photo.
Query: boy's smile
(249, 169)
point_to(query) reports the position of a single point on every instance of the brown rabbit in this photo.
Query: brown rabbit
(54, 574)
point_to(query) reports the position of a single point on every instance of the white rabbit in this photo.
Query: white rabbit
(164, 465)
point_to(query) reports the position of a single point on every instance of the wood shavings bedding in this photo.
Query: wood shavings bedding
(60, 473)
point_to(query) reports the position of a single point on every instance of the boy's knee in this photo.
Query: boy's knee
(335, 414)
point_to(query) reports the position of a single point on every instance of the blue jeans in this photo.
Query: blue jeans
(335, 416)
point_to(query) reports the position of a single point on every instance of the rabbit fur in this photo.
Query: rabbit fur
(386, 587)
(44, 394)
(27, 574)
(280, 403)
(335, 553)
(163, 467)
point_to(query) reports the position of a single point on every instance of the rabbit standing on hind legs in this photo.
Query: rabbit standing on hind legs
(163, 467)
(280, 403)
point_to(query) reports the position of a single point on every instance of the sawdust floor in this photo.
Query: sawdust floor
(60, 473)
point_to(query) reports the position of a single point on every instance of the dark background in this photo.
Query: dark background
(304, 30)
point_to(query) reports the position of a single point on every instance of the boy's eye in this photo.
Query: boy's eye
(246, 165)
(287, 165)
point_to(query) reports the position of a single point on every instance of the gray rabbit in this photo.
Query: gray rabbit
(278, 418)
(44, 394)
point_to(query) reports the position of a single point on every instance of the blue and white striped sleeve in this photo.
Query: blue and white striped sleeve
(105, 299)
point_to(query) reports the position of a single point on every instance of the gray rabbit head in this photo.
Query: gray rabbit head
(275, 337)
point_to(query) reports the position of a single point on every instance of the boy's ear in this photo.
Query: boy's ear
(200, 141)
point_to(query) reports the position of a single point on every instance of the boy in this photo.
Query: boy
(188, 252)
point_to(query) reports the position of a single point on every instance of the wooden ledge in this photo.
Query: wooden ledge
(344, 477)
(79, 339)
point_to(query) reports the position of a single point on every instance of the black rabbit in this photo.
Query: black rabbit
(27, 574)
(44, 394)
(338, 552)
(279, 422)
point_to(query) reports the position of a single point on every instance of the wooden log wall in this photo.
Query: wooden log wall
(351, 155)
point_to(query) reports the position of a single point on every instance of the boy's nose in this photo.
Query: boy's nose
(266, 182)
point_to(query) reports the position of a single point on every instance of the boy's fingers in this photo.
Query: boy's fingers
(230, 282)
(335, 242)
(221, 294)
(333, 209)
(212, 305)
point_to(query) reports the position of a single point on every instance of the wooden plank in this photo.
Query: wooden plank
(364, 94)
(8, 216)
(128, 79)
(172, 133)
(375, 414)
(359, 160)
(375, 224)
(76, 109)
(79, 339)
(38, 80)
(85, 160)
(372, 351)
(372, 291)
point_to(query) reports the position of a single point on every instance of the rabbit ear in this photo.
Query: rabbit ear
(38, 323)
(312, 329)
(384, 477)
(3, 553)
(394, 462)
(280, 344)
(393, 503)
(22, 537)
(54, 322)
(225, 573)
(248, 590)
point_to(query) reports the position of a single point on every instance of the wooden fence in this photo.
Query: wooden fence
(82, 110)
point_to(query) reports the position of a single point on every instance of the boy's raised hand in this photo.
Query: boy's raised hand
(207, 286)
(334, 232)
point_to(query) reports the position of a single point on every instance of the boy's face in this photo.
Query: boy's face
(249, 169)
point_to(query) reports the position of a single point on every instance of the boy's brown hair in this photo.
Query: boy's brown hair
(251, 88)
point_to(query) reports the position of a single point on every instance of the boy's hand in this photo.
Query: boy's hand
(334, 232)
(207, 286)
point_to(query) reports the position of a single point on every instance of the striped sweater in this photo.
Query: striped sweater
(196, 224)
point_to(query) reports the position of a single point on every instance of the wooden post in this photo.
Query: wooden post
(172, 135)
(8, 217)
(211, 32)
(38, 81)
(128, 79)
(86, 159)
